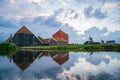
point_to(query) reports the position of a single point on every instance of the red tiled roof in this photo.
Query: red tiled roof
(24, 30)
(61, 36)
(46, 41)
(60, 31)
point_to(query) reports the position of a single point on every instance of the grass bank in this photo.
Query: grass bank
(82, 47)
(7, 48)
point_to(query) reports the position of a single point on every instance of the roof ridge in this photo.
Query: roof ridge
(60, 30)
(25, 30)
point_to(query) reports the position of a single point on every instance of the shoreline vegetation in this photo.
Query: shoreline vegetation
(77, 47)
(7, 48)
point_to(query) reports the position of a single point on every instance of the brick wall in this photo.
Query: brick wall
(61, 36)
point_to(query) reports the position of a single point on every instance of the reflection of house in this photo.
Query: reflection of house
(49, 41)
(24, 37)
(24, 58)
(110, 42)
(61, 37)
(60, 58)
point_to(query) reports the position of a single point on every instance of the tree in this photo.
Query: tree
(40, 38)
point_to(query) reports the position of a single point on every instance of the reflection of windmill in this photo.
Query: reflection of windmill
(24, 58)
(91, 53)
(60, 57)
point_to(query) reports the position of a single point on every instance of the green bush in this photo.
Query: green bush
(7, 48)
(90, 48)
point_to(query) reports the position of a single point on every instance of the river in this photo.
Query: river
(33, 65)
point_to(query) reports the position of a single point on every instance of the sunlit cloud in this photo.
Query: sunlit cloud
(66, 74)
(12, 1)
(110, 5)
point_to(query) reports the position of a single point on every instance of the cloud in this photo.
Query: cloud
(68, 14)
(104, 63)
(97, 13)
(53, 21)
(6, 22)
(37, 1)
(26, 20)
(45, 17)
(3, 36)
(50, 21)
(66, 75)
(113, 36)
(110, 5)
(98, 34)
(3, 2)
(87, 11)
(12, 1)
(97, 60)
(95, 30)
(73, 36)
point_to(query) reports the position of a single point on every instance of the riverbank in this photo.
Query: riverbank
(7, 48)
(80, 47)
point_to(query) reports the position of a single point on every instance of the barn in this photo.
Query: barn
(24, 37)
(61, 37)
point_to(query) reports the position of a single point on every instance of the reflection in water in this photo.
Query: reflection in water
(60, 58)
(60, 66)
(96, 60)
(91, 53)
(24, 58)
(98, 66)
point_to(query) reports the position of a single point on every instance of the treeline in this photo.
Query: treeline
(101, 47)
(7, 48)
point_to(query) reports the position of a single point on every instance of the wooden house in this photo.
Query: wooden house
(61, 37)
(24, 37)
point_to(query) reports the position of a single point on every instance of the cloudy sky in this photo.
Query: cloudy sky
(79, 18)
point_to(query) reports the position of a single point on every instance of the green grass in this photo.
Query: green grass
(82, 47)
(64, 47)
(7, 48)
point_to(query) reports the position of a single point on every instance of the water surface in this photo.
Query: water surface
(27, 65)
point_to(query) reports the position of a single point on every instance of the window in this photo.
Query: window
(64, 38)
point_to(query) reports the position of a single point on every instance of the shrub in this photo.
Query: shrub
(7, 48)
